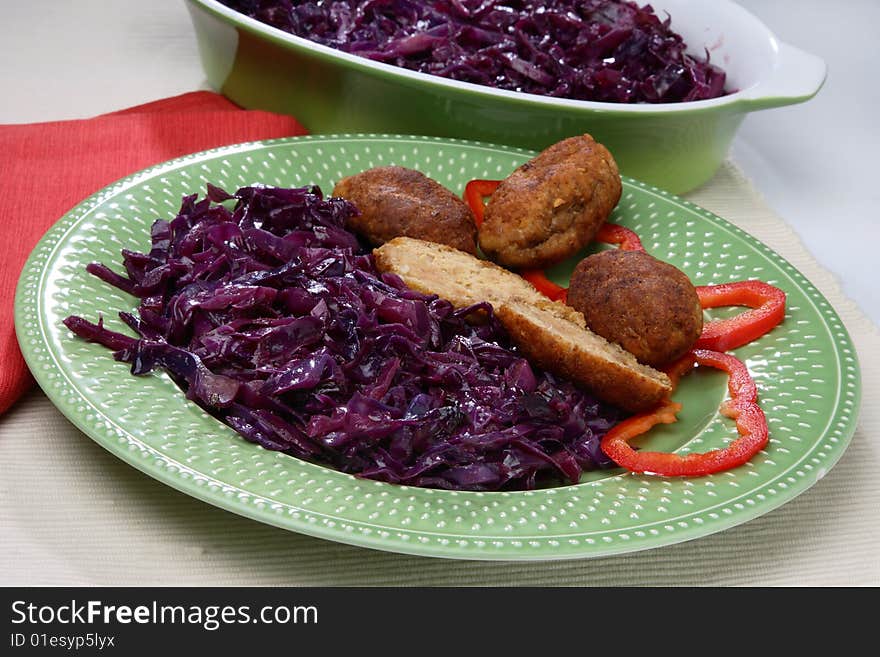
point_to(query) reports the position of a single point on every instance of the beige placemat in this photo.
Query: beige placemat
(72, 514)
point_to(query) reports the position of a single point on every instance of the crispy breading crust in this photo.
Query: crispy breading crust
(551, 334)
(648, 306)
(551, 206)
(588, 360)
(396, 201)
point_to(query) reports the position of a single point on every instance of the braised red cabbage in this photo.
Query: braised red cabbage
(272, 317)
(599, 50)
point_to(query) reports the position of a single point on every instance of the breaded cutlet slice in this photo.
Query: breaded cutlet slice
(551, 335)
(452, 274)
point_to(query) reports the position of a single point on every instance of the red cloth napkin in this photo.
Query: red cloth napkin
(47, 168)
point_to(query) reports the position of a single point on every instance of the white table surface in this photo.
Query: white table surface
(815, 163)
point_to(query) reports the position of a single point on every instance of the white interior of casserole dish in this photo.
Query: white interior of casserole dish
(758, 65)
(761, 71)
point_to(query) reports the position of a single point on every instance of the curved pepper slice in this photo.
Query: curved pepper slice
(474, 193)
(665, 413)
(767, 304)
(544, 285)
(751, 424)
(624, 238)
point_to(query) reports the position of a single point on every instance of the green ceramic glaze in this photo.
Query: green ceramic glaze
(676, 147)
(806, 370)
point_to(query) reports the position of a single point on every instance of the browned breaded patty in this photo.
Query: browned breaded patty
(647, 306)
(396, 201)
(551, 206)
(549, 340)
(550, 334)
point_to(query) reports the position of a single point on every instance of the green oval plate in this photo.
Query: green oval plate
(806, 370)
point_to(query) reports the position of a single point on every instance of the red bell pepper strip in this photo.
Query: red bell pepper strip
(665, 413)
(474, 193)
(624, 238)
(742, 407)
(767, 305)
(678, 368)
(544, 285)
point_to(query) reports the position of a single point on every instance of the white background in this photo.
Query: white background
(816, 164)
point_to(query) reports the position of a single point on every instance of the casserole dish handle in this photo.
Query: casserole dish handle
(796, 77)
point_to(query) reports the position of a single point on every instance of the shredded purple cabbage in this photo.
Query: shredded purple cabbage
(272, 317)
(600, 50)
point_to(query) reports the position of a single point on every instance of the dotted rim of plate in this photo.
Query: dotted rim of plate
(101, 428)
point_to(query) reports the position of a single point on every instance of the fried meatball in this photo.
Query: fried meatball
(551, 206)
(395, 201)
(647, 306)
